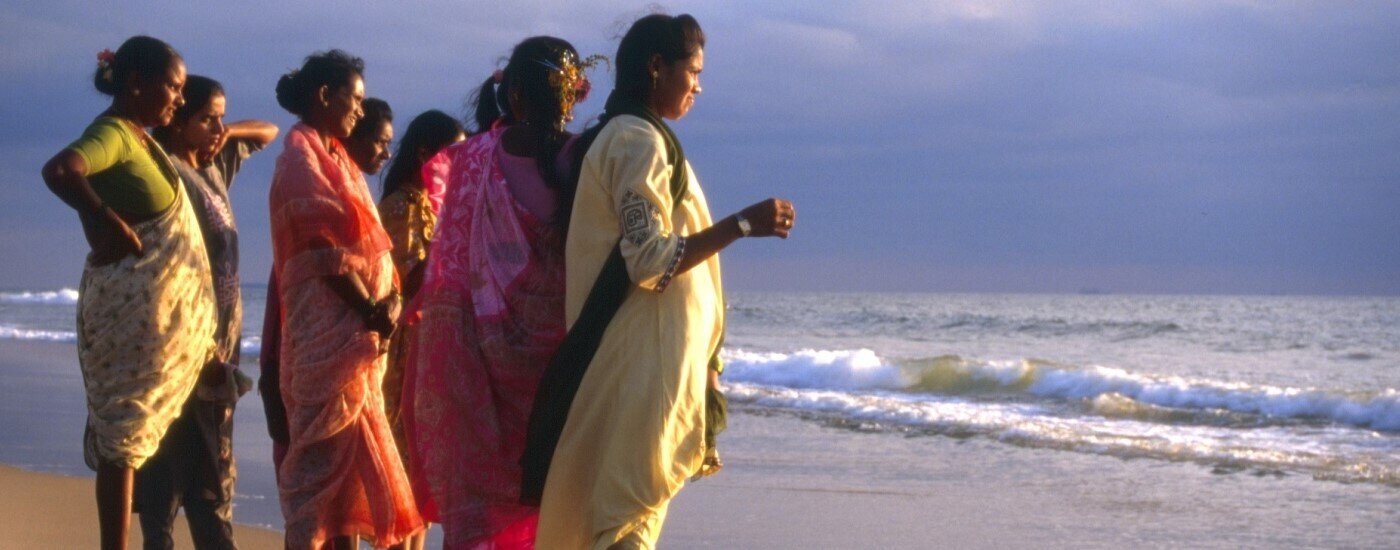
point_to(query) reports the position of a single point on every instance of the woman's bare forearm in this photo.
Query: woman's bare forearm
(257, 131)
(351, 289)
(700, 246)
(66, 176)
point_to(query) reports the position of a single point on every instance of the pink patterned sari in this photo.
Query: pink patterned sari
(341, 474)
(489, 315)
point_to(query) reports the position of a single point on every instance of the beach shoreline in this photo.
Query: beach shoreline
(792, 480)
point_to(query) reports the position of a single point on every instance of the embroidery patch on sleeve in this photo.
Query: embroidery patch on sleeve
(671, 268)
(638, 218)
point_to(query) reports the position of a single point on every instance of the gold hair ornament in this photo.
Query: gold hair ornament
(570, 84)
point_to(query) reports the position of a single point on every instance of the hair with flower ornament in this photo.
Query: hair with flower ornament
(147, 58)
(567, 78)
(541, 82)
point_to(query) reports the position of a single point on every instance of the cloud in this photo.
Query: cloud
(1211, 139)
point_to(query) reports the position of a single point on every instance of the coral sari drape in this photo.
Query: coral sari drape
(342, 474)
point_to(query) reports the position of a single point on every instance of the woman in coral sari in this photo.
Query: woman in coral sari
(492, 301)
(341, 477)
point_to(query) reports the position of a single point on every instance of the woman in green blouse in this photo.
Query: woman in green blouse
(146, 308)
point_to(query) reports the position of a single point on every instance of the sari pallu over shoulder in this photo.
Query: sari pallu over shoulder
(145, 330)
(321, 226)
(489, 316)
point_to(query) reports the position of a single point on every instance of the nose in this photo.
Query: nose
(218, 127)
(696, 90)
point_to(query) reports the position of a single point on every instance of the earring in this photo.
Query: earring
(655, 77)
(136, 92)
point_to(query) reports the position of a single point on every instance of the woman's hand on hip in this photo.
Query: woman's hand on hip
(110, 237)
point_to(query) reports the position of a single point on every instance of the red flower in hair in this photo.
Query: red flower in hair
(106, 57)
(581, 93)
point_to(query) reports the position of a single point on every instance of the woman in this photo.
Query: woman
(492, 303)
(409, 220)
(642, 264)
(340, 477)
(146, 302)
(368, 147)
(370, 142)
(194, 465)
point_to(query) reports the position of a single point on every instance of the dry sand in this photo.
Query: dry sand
(52, 511)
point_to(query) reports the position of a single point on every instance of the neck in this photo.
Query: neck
(326, 138)
(122, 108)
(184, 152)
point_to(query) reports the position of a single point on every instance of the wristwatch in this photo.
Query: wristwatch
(744, 227)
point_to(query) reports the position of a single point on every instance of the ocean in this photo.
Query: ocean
(1278, 390)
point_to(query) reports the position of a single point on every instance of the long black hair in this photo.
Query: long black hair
(674, 38)
(333, 69)
(430, 132)
(148, 58)
(199, 91)
(528, 73)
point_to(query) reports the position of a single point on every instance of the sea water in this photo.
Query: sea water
(1288, 387)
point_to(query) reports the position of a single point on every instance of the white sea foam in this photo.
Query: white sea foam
(18, 333)
(65, 296)
(840, 369)
(1337, 453)
(862, 369)
(251, 346)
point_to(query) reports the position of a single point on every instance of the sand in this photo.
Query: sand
(53, 511)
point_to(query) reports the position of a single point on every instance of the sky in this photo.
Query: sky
(1186, 147)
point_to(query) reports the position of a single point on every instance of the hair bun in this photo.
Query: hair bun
(288, 92)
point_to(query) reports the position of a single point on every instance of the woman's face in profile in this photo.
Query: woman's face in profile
(372, 151)
(161, 97)
(677, 84)
(342, 108)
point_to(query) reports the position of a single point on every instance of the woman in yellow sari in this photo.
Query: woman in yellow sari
(644, 304)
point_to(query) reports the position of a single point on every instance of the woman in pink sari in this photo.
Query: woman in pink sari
(491, 309)
(341, 477)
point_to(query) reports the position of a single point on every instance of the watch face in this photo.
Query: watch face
(744, 226)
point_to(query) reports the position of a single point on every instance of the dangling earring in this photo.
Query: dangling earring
(136, 92)
(655, 78)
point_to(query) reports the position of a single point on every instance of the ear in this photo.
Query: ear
(655, 64)
(323, 94)
(133, 82)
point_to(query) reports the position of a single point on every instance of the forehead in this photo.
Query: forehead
(697, 61)
(357, 85)
(386, 131)
(176, 73)
(217, 102)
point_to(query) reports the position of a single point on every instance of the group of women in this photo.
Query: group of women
(519, 341)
